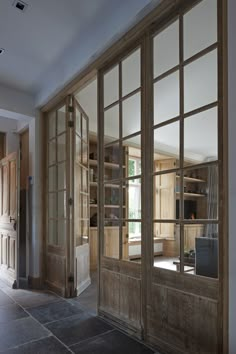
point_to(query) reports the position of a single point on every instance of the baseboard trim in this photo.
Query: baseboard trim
(83, 286)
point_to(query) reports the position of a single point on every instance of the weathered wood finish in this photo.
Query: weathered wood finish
(119, 283)
(180, 313)
(8, 209)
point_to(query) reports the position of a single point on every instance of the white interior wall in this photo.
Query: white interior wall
(9, 126)
(232, 171)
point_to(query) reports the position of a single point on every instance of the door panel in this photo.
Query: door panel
(67, 249)
(81, 199)
(8, 218)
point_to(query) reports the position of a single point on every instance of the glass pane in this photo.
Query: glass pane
(133, 195)
(111, 123)
(111, 86)
(201, 249)
(112, 201)
(201, 193)
(52, 205)
(166, 246)
(131, 115)
(112, 155)
(52, 178)
(61, 204)
(62, 176)
(52, 152)
(84, 206)
(200, 137)
(200, 27)
(52, 125)
(61, 120)
(84, 129)
(61, 148)
(61, 232)
(166, 143)
(166, 98)
(85, 231)
(111, 242)
(78, 122)
(52, 232)
(166, 49)
(131, 73)
(85, 154)
(84, 180)
(131, 234)
(78, 143)
(200, 82)
(164, 197)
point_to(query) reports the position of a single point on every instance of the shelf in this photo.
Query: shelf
(106, 206)
(190, 179)
(106, 164)
(197, 195)
(108, 185)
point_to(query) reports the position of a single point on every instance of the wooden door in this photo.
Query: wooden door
(67, 248)
(8, 219)
(58, 274)
(80, 216)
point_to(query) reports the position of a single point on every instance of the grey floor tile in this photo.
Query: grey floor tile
(54, 311)
(47, 345)
(11, 312)
(31, 300)
(19, 332)
(16, 293)
(5, 299)
(113, 342)
(80, 327)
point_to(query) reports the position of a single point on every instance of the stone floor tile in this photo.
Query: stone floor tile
(11, 312)
(46, 345)
(80, 327)
(113, 342)
(19, 332)
(54, 311)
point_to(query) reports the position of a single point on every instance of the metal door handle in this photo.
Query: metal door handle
(12, 219)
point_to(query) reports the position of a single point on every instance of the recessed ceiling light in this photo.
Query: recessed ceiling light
(2, 50)
(20, 5)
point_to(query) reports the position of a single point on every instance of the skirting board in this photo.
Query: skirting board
(83, 286)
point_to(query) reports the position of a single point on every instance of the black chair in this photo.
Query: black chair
(207, 257)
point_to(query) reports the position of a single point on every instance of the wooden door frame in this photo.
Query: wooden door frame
(160, 15)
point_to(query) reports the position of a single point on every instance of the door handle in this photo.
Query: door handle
(12, 219)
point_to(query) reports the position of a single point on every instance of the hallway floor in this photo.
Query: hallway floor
(41, 322)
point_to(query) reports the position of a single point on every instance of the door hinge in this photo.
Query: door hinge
(70, 201)
(70, 124)
(71, 279)
(71, 109)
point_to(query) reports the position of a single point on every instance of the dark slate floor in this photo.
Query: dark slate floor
(41, 322)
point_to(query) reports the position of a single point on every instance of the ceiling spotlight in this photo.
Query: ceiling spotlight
(2, 51)
(20, 5)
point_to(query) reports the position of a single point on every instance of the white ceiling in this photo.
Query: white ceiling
(50, 42)
(34, 39)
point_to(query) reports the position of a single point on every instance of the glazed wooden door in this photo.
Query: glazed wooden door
(9, 219)
(80, 216)
(58, 245)
(67, 248)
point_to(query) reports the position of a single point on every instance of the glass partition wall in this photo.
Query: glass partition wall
(160, 182)
(185, 131)
(121, 177)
